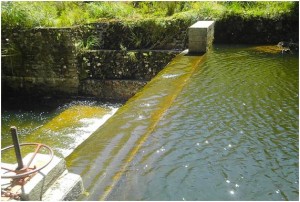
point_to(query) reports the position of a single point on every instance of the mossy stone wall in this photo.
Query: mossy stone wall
(60, 61)
(118, 64)
(48, 61)
(257, 30)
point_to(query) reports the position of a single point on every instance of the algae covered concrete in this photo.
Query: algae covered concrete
(124, 128)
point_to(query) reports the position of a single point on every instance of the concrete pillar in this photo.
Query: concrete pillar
(201, 36)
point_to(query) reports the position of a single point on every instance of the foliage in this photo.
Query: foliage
(98, 10)
(87, 44)
(264, 9)
(132, 56)
(33, 14)
(70, 13)
(63, 13)
(10, 49)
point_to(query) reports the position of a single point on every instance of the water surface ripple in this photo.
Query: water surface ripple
(231, 134)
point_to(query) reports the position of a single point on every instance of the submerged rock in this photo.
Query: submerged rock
(281, 47)
(267, 49)
(288, 47)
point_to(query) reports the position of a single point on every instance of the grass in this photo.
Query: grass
(63, 14)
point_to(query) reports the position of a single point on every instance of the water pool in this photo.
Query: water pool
(231, 134)
(224, 128)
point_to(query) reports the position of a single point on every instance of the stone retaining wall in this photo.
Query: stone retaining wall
(41, 61)
(53, 62)
(60, 61)
(115, 64)
(257, 30)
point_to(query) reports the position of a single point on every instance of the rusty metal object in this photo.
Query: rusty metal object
(15, 139)
(10, 195)
(27, 170)
(13, 191)
(23, 173)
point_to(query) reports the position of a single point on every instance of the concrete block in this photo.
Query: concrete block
(42, 180)
(195, 32)
(68, 187)
(201, 36)
(52, 183)
(197, 46)
(5, 182)
(202, 39)
(202, 24)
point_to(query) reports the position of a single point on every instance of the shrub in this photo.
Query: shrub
(49, 14)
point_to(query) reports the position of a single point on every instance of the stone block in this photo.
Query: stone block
(52, 183)
(111, 89)
(68, 187)
(195, 32)
(197, 46)
(42, 180)
(201, 36)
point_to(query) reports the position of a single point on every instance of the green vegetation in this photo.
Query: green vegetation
(61, 14)
(89, 43)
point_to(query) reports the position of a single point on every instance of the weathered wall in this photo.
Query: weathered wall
(50, 62)
(142, 34)
(110, 89)
(79, 60)
(116, 64)
(119, 74)
(257, 30)
(44, 61)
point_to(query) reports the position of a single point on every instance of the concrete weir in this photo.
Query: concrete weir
(103, 159)
(201, 36)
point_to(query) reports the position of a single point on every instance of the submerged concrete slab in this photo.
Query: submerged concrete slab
(201, 35)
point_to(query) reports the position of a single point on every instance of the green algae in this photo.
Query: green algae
(63, 132)
(273, 49)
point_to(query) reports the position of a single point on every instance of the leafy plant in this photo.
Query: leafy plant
(10, 49)
(132, 56)
(122, 47)
(88, 44)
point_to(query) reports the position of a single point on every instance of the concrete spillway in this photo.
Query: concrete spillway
(113, 147)
(107, 154)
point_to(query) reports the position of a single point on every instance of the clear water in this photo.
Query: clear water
(225, 128)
